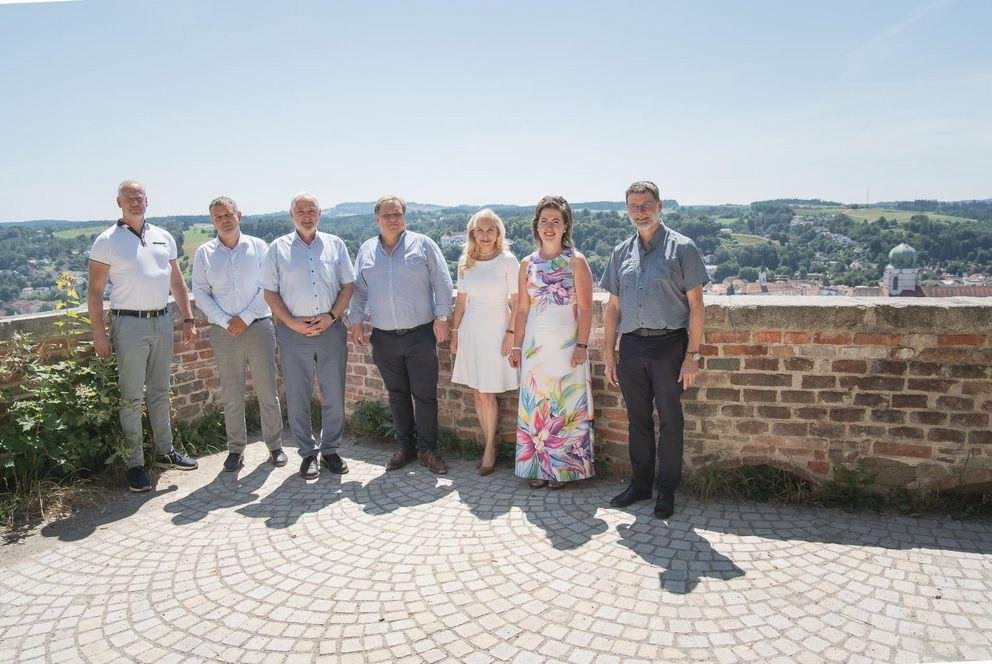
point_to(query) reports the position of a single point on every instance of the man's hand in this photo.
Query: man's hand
(236, 327)
(440, 330)
(688, 373)
(318, 324)
(101, 344)
(357, 334)
(300, 325)
(611, 369)
(188, 333)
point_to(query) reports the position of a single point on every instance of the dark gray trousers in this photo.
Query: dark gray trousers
(408, 364)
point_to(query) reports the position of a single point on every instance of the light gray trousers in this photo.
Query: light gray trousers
(255, 347)
(325, 355)
(143, 347)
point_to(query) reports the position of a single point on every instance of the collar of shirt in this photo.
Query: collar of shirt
(656, 239)
(400, 240)
(240, 243)
(141, 235)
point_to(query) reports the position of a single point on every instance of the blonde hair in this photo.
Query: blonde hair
(471, 252)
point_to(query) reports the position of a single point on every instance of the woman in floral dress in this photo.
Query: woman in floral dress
(551, 337)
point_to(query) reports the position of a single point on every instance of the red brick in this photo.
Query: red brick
(768, 337)
(790, 428)
(909, 400)
(927, 417)
(970, 420)
(827, 396)
(929, 385)
(938, 435)
(700, 409)
(797, 396)
(831, 338)
(797, 364)
(797, 338)
(849, 366)
(708, 350)
(767, 396)
(817, 382)
(722, 364)
(875, 383)
(824, 430)
(736, 410)
(967, 371)
(870, 399)
(960, 339)
(847, 414)
(888, 416)
(818, 467)
(774, 412)
(889, 367)
(970, 387)
(761, 364)
(738, 349)
(870, 339)
(865, 431)
(980, 437)
(810, 413)
(751, 427)
(722, 394)
(924, 368)
(764, 380)
(906, 432)
(955, 403)
(883, 448)
(727, 337)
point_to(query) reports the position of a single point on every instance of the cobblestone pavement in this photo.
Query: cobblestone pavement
(369, 566)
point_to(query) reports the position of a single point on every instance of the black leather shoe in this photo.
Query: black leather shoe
(665, 507)
(278, 458)
(234, 461)
(334, 463)
(629, 496)
(310, 469)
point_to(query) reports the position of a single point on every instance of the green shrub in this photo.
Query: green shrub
(372, 419)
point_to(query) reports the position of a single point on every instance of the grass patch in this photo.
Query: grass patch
(193, 238)
(872, 214)
(852, 490)
(94, 229)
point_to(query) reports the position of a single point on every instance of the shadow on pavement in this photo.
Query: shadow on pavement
(86, 522)
(224, 490)
(295, 497)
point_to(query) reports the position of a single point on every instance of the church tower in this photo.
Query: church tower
(901, 276)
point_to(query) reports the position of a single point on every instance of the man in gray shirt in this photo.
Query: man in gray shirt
(655, 280)
(402, 284)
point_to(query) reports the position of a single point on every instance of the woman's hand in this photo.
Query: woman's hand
(453, 343)
(504, 348)
(514, 358)
(579, 356)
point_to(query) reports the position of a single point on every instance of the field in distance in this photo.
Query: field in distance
(871, 214)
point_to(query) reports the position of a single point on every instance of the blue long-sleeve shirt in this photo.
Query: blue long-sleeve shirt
(404, 289)
(225, 281)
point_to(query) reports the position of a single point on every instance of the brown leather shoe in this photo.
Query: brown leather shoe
(400, 458)
(433, 461)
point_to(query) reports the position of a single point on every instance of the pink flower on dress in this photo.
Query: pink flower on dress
(545, 435)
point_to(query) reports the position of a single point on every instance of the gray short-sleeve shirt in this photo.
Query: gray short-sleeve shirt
(652, 283)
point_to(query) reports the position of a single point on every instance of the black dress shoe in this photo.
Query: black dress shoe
(309, 468)
(665, 507)
(277, 457)
(234, 461)
(334, 463)
(629, 496)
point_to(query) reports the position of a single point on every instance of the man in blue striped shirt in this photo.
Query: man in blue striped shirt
(402, 285)
(225, 287)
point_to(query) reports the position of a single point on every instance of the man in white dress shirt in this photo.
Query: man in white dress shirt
(138, 261)
(226, 271)
(307, 277)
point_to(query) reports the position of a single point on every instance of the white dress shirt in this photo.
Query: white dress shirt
(225, 281)
(308, 278)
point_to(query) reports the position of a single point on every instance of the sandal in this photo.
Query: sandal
(554, 486)
(537, 484)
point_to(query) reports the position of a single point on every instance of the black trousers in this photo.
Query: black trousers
(408, 364)
(648, 371)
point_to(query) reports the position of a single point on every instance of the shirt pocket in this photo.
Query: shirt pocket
(629, 273)
(329, 270)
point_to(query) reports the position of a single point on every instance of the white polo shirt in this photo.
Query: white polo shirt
(139, 266)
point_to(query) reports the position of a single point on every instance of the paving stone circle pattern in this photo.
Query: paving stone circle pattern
(260, 566)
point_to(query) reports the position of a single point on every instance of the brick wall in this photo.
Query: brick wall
(798, 383)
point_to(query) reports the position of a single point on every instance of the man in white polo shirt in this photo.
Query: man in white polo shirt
(138, 260)
(225, 287)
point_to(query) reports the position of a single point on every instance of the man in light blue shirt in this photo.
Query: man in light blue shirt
(402, 285)
(307, 277)
(226, 270)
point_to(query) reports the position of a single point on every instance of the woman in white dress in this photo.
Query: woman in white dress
(482, 330)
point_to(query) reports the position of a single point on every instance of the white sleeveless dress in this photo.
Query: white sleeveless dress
(478, 362)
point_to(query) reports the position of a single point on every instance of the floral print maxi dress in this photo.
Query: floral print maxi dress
(554, 416)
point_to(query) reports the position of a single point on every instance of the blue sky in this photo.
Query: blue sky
(478, 102)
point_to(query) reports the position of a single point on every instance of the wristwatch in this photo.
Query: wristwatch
(442, 318)
(695, 356)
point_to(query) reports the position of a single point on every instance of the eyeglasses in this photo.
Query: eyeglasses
(647, 207)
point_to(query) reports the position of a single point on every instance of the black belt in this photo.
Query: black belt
(652, 332)
(258, 319)
(406, 330)
(134, 313)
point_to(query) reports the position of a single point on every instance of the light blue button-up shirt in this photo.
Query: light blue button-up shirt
(404, 289)
(307, 278)
(225, 281)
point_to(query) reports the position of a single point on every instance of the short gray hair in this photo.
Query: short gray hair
(304, 194)
(644, 187)
(390, 199)
(130, 184)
